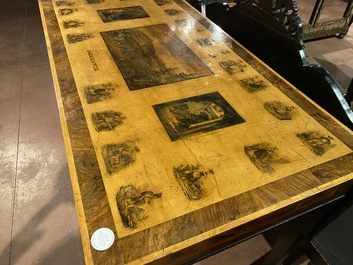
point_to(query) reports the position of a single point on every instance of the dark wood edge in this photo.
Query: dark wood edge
(93, 196)
(243, 232)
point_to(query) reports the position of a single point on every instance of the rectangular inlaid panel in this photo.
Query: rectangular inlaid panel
(153, 55)
(194, 115)
(124, 13)
(176, 135)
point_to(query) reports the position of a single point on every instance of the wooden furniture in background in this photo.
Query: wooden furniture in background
(317, 28)
(178, 139)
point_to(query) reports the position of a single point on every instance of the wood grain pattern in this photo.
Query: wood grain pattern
(222, 180)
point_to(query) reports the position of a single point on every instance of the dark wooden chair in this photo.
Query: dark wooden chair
(332, 241)
(324, 236)
(272, 30)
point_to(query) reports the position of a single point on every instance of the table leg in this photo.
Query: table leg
(292, 235)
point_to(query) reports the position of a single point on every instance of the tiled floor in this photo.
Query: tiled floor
(39, 223)
(38, 218)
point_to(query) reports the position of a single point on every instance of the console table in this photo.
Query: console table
(179, 141)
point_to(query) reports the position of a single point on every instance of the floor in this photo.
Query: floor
(39, 223)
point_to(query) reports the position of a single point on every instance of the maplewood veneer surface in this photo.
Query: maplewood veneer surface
(178, 139)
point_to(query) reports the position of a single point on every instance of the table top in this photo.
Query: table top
(178, 139)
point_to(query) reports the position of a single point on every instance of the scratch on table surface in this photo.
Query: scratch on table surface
(303, 158)
(97, 139)
(218, 189)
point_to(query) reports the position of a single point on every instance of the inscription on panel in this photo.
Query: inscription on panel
(107, 120)
(153, 55)
(124, 13)
(119, 156)
(263, 155)
(190, 179)
(279, 109)
(203, 113)
(133, 204)
(92, 60)
(317, 142)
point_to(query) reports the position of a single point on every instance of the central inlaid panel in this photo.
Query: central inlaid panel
(194, 115)
(152, 56)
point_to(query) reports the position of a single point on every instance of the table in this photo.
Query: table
(179, 140)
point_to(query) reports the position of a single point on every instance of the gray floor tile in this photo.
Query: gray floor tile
(11, 43)
(45, 221)
(34, 50)
(10, 86)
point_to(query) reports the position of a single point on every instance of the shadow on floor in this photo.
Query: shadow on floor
(68, 251)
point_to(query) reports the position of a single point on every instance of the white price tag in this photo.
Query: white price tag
(102, 239)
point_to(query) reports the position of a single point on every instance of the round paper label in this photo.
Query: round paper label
(102, 239)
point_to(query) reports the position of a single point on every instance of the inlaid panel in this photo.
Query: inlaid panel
(152, 55)
(124, 13)
(194, 115)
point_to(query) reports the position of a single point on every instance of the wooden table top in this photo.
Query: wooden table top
(178, 139)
